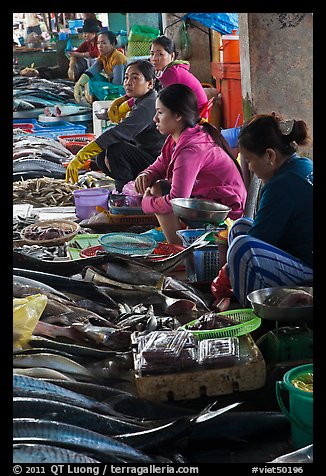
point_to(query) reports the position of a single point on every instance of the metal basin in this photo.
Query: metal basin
(259, 297)
(196, 212)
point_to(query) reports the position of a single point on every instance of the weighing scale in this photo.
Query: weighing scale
(292, 342)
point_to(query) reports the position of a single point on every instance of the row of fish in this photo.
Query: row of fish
(31, 93)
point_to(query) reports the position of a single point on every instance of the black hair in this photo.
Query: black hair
(265, 131)
(110, 36)
(145, 67)
(167, 43)
(181, 100)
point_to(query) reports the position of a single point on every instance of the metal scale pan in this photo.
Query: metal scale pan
(267, 304)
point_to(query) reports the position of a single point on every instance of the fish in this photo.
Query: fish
(74, 349)
(94, 390)
(55, 362)
(42, 373)
(154, 437)
(241, 426)
(37, 164)
(302, 455)
(76, 358)
(69, 436)
(32, 387)
(31, 174)
(38, 286)
(65, 283)
(22, 105)
(35, 453)
(63, 412)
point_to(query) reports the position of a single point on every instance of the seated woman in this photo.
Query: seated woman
(81, 58)
(274, 249)
(168, 70)
(111, 61)
(196, 161)
(127, 148)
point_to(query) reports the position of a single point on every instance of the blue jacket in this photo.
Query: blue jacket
(285, 214)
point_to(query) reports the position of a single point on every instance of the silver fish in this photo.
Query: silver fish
(34, 453)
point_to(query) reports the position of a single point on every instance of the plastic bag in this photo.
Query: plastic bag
(183, 42)
(143, 33)
(26, 313)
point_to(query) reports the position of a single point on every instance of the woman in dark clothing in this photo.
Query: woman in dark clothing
(276, 248)
(129, 147)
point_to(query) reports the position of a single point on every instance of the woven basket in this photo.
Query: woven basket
(248, 323)
(69, 228)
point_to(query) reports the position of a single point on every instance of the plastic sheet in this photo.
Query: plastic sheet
(26, 313)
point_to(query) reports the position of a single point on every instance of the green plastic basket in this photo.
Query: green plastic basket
(248, 323)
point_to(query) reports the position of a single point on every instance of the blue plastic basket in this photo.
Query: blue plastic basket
(203, 265)
(188, 236)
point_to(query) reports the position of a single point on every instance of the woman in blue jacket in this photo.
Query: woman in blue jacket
(276, 248)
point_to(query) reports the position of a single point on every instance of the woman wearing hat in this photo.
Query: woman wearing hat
(87, 52)
(111, 62)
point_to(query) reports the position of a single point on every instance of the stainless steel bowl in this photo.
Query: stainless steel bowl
(196, 212)
(259, 298)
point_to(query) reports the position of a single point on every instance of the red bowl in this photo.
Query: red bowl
(91, 251)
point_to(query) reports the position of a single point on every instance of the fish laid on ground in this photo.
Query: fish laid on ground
(42, 373)
(55, 362)
(101, 447)
(62, 412)
(154, 437)
(302, 455)
(65, 283)
(34, 453)
(31, 387)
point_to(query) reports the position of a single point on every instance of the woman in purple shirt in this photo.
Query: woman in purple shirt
(168, 70)
(195, 161)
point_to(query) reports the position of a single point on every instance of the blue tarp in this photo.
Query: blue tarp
(224, 23)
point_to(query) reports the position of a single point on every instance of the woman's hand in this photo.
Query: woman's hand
(142, 182)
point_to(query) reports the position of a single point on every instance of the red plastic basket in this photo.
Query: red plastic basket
(75, 142)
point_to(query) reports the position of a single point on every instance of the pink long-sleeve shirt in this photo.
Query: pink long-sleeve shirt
(180, 74)
(196, 167)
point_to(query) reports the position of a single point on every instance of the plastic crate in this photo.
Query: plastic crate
(75, 23)
(55, 132)
(138, 48)
(248, 323)
(75, 142)
(23, 126)
(35, 123)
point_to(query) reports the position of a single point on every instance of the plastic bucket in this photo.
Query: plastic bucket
(86, 201)
(300, 411)
(230, 48)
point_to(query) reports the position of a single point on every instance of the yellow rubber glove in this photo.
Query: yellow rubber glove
(78, 162)
(78, 88)
(123, 110)
(113, 112)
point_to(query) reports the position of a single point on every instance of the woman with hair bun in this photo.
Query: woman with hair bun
(276, 248)
(195, 161)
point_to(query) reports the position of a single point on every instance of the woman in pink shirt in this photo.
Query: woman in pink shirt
(195, 161)
(168, 70)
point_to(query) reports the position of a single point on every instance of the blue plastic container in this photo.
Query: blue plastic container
(203, 265)
(231, 135)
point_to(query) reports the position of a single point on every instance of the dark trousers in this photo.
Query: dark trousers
(126, 161)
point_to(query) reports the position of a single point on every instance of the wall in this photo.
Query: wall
(199, 40)
(276, 60)
(149, 19)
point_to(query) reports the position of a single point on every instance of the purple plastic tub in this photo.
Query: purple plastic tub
(86, 201)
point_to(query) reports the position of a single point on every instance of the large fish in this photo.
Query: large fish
(62, 412)
(154, 437)
(68, 436)
(37, 164)
(36, 388)
(67, 284)
(55, 362)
